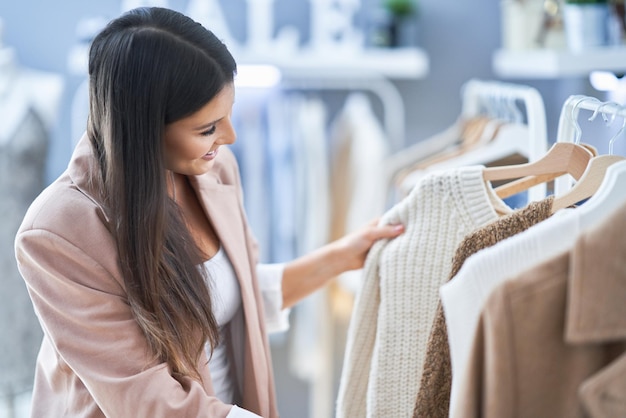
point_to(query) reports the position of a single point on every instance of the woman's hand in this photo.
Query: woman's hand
(308, 273)
(352, 249)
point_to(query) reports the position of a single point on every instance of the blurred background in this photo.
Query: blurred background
(310, 72)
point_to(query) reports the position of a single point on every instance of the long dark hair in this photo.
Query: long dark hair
(148, 68)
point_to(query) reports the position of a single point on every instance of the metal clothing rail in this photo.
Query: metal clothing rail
(376, 84)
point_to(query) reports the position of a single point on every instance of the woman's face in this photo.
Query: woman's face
(192, 143)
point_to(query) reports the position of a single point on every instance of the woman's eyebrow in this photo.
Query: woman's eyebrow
(207, 125)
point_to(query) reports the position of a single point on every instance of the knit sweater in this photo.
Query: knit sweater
(396, 305)
(433, 398)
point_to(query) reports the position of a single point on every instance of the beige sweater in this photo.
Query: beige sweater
(396, 304)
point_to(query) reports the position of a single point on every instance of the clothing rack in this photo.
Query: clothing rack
(374, 83)
(475, 94)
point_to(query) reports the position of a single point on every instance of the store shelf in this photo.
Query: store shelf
(397, 63)
(547, 64)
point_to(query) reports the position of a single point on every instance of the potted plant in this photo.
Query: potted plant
(402, 21)
(586, 23)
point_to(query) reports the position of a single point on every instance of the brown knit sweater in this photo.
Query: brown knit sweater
(433, 398)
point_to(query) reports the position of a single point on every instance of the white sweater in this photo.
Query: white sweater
(394, 309)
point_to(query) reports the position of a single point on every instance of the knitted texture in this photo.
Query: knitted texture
(433, 398)
(395, 307)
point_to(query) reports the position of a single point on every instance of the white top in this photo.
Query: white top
(226, 299)
(396, 305)
(464, 296)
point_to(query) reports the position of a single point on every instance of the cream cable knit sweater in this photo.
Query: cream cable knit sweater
(395, 307)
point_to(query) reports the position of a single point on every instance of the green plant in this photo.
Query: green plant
(401, 7)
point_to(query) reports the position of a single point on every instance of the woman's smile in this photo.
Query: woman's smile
(210, 155)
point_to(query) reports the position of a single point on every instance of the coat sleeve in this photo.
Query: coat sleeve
(87, 320)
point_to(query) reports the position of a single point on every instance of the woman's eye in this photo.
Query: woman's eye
(209, 131)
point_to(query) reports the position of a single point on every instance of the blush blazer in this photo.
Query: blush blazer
(94, 360)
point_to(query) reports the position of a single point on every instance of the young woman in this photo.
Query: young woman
(139, 261)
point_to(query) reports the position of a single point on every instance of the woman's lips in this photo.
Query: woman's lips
(210, 155)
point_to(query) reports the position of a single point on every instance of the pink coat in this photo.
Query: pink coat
(94, 360)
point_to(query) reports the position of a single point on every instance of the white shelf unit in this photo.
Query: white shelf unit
(371, 70)
(550, 64)
(392, 63)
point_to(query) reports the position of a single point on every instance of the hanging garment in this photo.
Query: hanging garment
(251, 151)
(463, 297)
(312, 169)
(551, 342)
(433, 399)
(400, 164)
(312, 202)
(359, 147)
(22, 172)
(395, 308)
(278, 145)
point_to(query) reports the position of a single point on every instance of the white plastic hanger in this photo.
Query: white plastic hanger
(570, 131)
(593, 176)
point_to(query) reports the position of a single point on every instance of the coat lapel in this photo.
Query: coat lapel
(596, 310)
(220, 203)
(604, 393)
(222, 206)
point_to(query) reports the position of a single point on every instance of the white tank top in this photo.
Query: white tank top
(226, 300)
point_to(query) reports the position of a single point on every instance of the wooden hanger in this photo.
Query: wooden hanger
(405, 163)
(577, 168)
(562, 158)
(589, 182)
(478, 131)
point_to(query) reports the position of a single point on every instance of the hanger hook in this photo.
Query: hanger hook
(613, 115)
(572, 115)
(574, 119)
(598, 110)
(612, 140)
